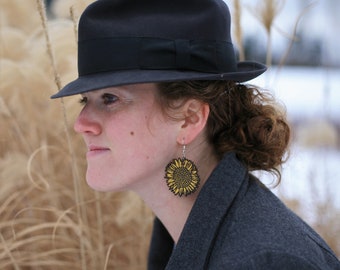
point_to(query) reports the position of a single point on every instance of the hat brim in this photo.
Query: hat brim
(246, 71)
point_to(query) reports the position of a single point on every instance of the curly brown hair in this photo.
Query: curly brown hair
(243, 118)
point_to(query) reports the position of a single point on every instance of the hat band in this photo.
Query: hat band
(113, 54)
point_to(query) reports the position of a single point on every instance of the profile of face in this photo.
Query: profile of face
(129, 140)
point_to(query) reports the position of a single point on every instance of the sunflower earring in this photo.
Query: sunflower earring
(181, 176)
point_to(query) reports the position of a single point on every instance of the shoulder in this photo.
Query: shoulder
(260, 231)
(267, 260)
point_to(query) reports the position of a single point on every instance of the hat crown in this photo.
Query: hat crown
(137, 41)
(175, 19)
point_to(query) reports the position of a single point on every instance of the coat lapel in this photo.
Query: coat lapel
(212, 205)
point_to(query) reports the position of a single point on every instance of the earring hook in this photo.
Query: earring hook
(183, 148)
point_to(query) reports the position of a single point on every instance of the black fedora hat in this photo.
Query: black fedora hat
(128, 41)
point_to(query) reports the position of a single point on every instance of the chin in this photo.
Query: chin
(101, 184)
(96, 182)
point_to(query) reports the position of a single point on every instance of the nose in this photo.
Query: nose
(86, 123)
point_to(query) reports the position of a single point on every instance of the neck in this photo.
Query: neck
(172, 210)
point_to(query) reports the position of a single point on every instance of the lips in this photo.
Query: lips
(97, 148)
(94, 150)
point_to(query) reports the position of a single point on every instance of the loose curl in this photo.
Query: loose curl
(242, 119)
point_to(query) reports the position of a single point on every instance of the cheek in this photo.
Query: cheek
(151, 140)
(142, 136)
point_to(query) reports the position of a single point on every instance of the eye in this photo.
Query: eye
(109, 98)
(83, 100)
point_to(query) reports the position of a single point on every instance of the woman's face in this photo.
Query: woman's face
(129, 140)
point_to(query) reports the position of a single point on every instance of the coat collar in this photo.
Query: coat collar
(212, 205)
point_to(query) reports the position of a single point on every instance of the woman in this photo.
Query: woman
(166, 115)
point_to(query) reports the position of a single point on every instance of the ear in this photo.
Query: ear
(196, 116)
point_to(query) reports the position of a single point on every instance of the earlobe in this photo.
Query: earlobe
(196, 116)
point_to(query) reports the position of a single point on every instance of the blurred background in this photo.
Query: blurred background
(50, 219)
(302, 38)
(299, 41)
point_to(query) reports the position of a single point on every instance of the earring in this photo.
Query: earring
(181, 176)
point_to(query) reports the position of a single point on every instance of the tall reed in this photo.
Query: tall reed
(238, 33)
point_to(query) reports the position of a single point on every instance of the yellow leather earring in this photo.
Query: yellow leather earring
(181, 176)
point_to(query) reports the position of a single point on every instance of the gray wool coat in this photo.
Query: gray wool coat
(237, 223)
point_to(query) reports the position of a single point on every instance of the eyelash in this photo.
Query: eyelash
(108, 99)
(83, 100)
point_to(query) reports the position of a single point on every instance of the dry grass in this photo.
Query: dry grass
(266, 12)
(238, 33)
(49, 218)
